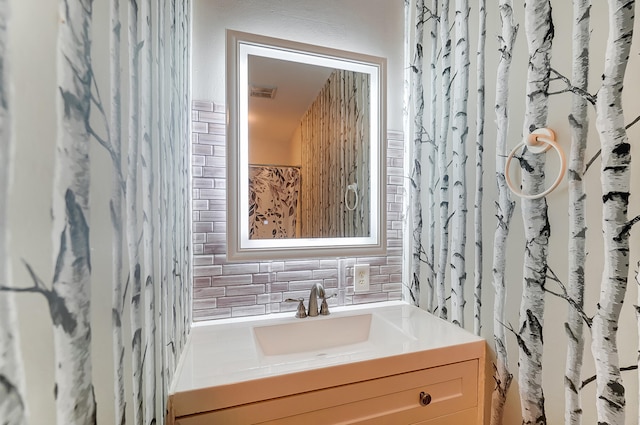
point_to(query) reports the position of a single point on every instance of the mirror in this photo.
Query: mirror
(305, 149)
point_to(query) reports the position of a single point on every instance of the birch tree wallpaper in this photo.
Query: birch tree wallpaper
(95, 268)
(551, 282)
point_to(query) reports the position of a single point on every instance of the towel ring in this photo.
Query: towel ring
(354, 187)
(539, 141)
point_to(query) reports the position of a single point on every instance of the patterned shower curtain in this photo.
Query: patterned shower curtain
(273, 201)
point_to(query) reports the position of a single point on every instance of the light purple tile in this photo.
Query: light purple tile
(369, 298)
(297, 275)
(392, 287)
(301, 265)
(202, 281)
(236, 301)
(379, 279)
(205, 150)
(217, 128)
(231, 280)
(277, 266)
(199, 127)
(394, 207)
(203, 260)
(243, 311)
(211, 314)
(209, 116)
(269, 298)
(303, 285)
(394, 259)
(244, 290)
(328, 264)
(220, 259)
(207, 271)
(216, 161)
(213, 194)
(395, 277)
(218, 204)
(210, 292)
(211, 139)
(213, 216)
(391, 269)
(202, 105)
(393, 171)
(394, 296)
(198, 204)
(330, 284)
(202, 227)
(197, 160)
(325, 274)
(394, 243)
(396, 180)
(261, 278)
(214, 248)
(279, 287)
(395, 153)
(217, 238)
(216, 172)
(372, 261)
(396, 162)
(202, 183)
(395, 144)
(243, 268)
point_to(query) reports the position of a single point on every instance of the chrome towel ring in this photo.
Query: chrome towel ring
(539, 141)
(354, 188)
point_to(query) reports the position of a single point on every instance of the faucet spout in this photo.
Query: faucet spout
(317, 290)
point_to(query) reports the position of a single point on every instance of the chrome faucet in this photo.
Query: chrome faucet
(317, 290)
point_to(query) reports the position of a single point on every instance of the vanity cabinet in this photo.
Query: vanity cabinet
(433, 375)
(443, 395)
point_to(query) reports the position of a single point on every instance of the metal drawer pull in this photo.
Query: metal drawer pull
(425, 398)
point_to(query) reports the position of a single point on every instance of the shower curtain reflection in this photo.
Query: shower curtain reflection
(273, 201)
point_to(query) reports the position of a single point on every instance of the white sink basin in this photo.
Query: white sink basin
(322, 333)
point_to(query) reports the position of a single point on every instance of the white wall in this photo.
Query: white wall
(373, 27)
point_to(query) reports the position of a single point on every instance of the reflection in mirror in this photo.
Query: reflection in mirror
(308, 150)
(305, 150)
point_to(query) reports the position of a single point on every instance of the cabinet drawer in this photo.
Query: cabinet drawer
(452, 388)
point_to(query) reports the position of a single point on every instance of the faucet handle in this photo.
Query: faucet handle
(302, 312)
(324, 307)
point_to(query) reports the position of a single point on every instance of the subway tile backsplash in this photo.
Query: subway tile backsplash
(223, 290)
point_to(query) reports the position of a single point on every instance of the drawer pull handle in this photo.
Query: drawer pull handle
(425, 398)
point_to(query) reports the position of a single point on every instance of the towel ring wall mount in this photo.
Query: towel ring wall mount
(539, 141)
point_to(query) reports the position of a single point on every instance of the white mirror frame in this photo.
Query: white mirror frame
(239, 246)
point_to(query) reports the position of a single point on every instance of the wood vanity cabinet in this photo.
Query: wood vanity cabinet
(444, 394)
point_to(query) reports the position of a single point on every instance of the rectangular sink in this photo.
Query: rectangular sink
(322, 333)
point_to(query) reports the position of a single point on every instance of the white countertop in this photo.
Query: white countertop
(223, 352)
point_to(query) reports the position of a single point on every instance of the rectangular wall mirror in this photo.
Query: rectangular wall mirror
(305, 150)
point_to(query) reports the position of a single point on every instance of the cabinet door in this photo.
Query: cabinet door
(465, 417)
(393, 399)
